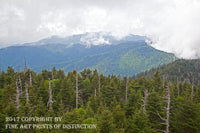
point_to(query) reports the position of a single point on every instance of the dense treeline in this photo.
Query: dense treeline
(113, 103)
(179, 70)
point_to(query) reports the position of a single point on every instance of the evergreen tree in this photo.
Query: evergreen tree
(106, 122)
(185, 116)
(154, 108)
(139, 123)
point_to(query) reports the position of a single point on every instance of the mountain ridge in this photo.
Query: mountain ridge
(181, 70)
(129, 55)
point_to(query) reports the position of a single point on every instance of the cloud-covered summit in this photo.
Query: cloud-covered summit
(89, 39)
(173, 25)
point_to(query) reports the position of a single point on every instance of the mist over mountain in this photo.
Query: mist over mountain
(125, 56)
(92, 38)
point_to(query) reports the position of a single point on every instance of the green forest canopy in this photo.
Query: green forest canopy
(101, 101)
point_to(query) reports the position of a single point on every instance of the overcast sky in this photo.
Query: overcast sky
(173, 25)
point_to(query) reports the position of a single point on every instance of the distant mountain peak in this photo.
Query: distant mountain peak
(89, 38)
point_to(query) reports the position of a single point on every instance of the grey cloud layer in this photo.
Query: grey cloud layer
(173, 25)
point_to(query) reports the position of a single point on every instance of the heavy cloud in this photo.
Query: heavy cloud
(173, 25)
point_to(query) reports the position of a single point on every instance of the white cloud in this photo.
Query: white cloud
(173, 25)
(94, 39)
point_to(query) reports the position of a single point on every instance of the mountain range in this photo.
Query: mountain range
(125, 56)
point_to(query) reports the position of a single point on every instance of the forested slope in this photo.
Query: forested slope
(179, 70)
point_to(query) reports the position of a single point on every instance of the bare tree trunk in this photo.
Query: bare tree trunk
(50, 97)
(17, 95)
(52, 82)
(145, 100)
(27, 95)
(178, 86)
(192, 93)
(168, 109)
(20, 83)
(99, 84)
(25, 66)
(30, 79)
(126, 98)
(163, 81)
(76, 88)
(95, 92)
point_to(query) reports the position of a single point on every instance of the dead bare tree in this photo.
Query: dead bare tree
(178, 86)
(76, 88)
(25, 67)
(50, 102)
(126, 97)
(99, 84)
(17, 95)
(30, 79)
(168, 110)
(20, 84)
(27, 95)
(163, 81)
(145, 100)
(52, 82)
(192, 93)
